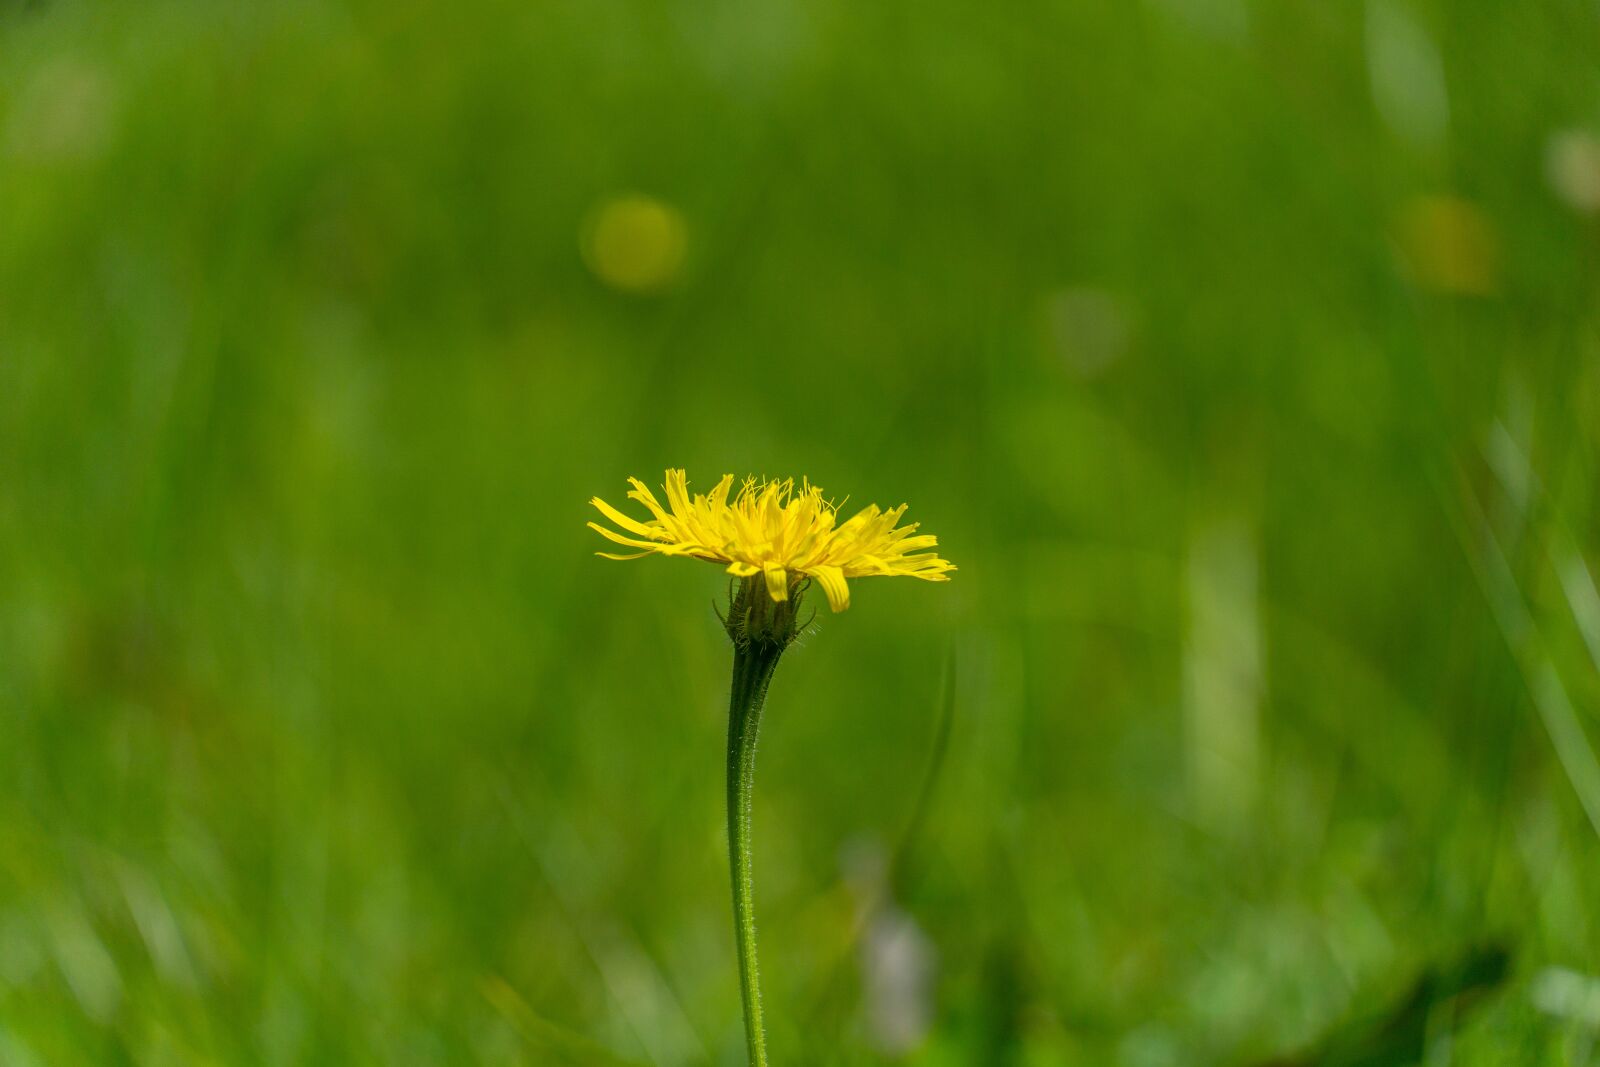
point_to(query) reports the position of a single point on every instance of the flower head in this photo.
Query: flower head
(773, 529)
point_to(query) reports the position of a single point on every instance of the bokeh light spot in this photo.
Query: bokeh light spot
(1448, 245)
(636, 243)
(1572, 167)
(63, 114)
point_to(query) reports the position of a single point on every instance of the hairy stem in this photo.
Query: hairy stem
(753, 664)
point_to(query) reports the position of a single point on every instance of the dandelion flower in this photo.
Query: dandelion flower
(773, 529)
(776, 540)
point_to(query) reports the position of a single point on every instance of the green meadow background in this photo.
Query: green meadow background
(1244, 356)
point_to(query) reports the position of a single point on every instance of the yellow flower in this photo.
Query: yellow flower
(772, 529)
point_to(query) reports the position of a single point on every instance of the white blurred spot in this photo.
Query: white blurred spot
(1408, 86)
(1567, 995)
(157, 925)
(898, 961)
(1222, 670)
(747, 48)
(1222, 20)
(1088, 328)
(62, 114)
(1150, 1045)
(85, 964)
(1572, 167)
(897, 966)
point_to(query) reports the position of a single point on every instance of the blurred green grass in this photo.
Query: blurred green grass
(1242, 355)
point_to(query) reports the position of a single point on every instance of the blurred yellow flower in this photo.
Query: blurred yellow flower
(773, 529)
(1449, 245)
(636, 243)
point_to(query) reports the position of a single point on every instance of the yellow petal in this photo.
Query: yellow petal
(742, 570)
(612, 535)
(643, 495)
(777, 583)
(677, 487)
(631, 525)
(832, 581)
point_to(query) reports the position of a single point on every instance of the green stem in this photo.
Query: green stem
(753, 664)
